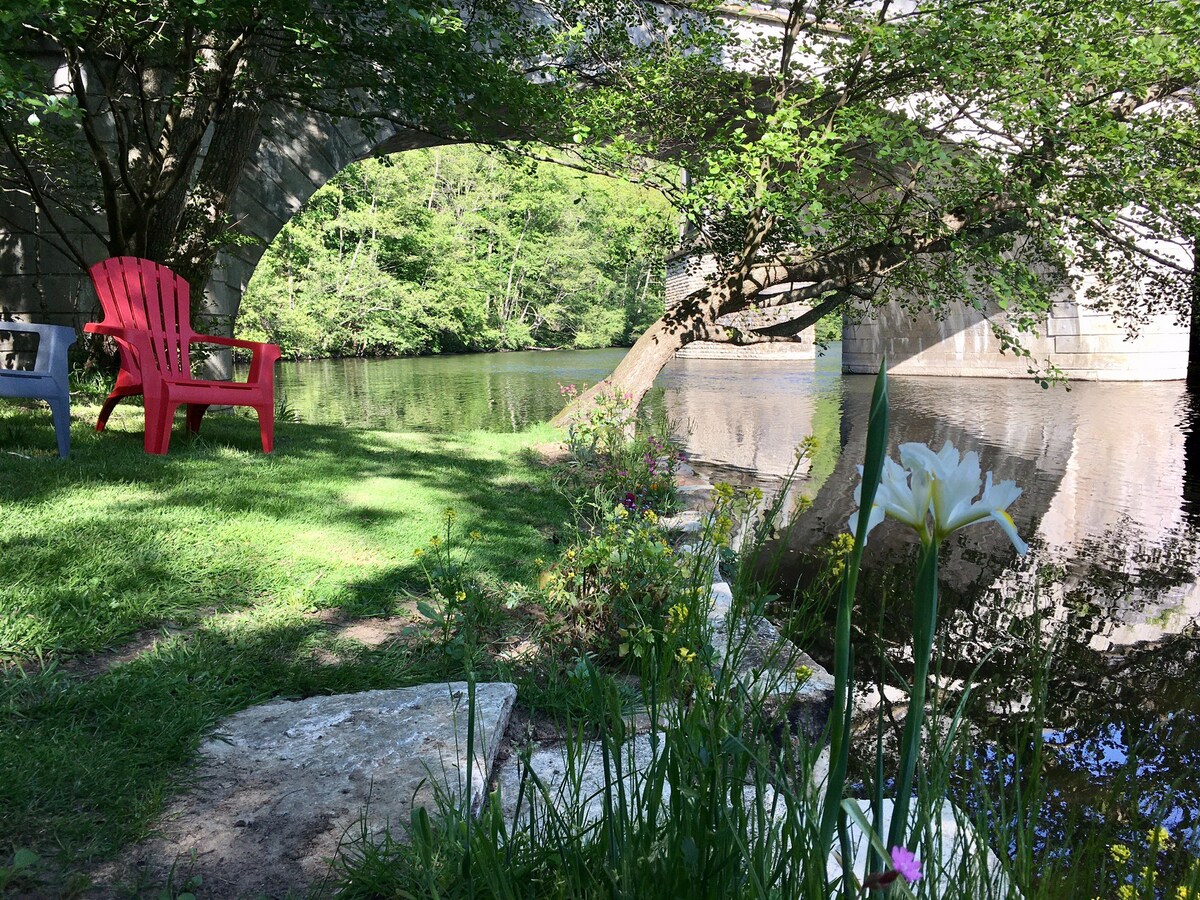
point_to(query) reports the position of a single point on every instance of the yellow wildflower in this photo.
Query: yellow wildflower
(1126, 892)
(686, 656)
(476, 535)
(461, 597)
(451, 514)
(803, 673)
(1159, 838)
(435, 542)
(620, 512)
(650, 515)
(1120, 853)
(419, 552)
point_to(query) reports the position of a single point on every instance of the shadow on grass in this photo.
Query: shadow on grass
(242, 546)
(111, 540)
(88, 762)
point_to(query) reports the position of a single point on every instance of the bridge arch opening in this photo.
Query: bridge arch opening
(449, 248)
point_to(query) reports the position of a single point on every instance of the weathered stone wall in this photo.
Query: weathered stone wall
(1085, 344)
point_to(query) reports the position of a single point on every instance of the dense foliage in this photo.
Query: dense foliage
(133, 126)
(140, 138)
(457, 249)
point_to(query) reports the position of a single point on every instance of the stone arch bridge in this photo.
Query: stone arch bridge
(300, 152)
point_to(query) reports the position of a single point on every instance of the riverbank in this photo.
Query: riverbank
(190, 675)
(150, 596)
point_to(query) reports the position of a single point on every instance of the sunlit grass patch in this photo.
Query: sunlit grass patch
(229, 568)
(112, 541)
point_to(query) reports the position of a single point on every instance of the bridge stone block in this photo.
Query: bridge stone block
(1116, 343)
(689, 272)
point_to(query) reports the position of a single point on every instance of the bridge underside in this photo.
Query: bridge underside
(1085, 344)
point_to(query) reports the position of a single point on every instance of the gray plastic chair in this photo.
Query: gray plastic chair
(48, 379)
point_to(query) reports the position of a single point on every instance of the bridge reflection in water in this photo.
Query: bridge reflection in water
(1111, 586)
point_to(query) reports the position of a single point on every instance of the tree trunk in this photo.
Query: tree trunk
(234, 141)
(691, 320)
(1193, 374)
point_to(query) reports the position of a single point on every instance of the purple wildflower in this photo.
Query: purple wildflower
(906, 863)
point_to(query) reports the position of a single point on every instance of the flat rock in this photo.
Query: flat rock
(281, 785)
(951, 853)
(794, 689)
(572, 778)
(686, 522)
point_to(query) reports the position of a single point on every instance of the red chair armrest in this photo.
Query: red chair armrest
(257, 346)
(101, 328)
(262, 363)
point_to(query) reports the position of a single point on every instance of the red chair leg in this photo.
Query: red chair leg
(195, 412)
(266, 426)
(159, 419)
(106, 410)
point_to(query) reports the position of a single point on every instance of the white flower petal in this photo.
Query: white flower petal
(873, 519)
(954, 491)
(943, 484)
(1004, 520)
(914, 456)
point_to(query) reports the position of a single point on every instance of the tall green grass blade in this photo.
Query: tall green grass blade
(877, 432)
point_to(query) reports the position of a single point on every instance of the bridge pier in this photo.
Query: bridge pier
(1084, 343)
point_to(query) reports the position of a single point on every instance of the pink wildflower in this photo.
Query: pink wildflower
(906, 863)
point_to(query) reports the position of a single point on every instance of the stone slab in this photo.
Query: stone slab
(281, 785)
(769, 668)
(572, 778)
(686, 522)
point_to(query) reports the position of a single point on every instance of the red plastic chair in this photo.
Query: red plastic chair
(147, 311)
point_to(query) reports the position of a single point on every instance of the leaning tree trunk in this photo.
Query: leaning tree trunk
(692, 320)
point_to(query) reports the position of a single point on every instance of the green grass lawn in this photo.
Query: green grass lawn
(232, 556)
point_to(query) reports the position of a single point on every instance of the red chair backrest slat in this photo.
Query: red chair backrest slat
(153, 302)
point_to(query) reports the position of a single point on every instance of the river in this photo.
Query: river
(1111, 509)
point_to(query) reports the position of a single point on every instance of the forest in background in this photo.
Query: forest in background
(459, 249)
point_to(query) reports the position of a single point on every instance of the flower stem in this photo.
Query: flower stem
(925, 613)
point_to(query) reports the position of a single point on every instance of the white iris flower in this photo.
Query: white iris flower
(935, 494)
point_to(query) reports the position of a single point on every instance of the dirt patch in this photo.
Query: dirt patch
(106, 661)
(374, 633)
(91, 665)
(551, 454)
